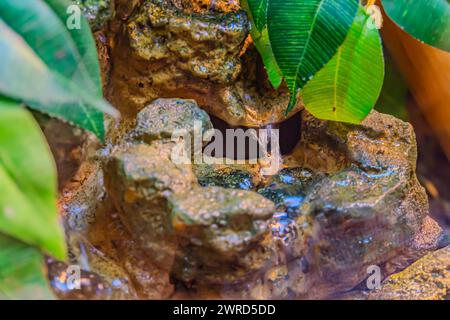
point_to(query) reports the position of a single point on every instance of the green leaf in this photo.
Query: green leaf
(347, 88)
(305, 35)
(258, 9)
(84, 42)
(28, 182)
(48, 66)
(264, 48)
(426, 20)
(19, 79)
(260, 36)
(22, 272)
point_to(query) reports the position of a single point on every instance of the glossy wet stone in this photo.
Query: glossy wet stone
(101, 246)
(226, 176)
(221, 234)
(171, 118)
(347, 198)
(110, 236)
(288, 188)
(202, 6)
(369, 209)
(328, 222)
(91, 260)
(92, 286)
(283, 228)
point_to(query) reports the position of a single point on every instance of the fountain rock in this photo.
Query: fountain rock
(165, 117)
(244, 177)
(347, 199)
(288, 188)
(200, 235)
(140, 178)
(221, 233)
(368, 209)
(92, 285)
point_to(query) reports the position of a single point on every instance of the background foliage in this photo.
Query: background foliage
(426, 20)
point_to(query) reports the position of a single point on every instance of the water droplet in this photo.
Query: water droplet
(365, 240)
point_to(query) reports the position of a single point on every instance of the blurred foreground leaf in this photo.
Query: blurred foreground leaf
(28, 182)
(22, 272)
(51, 68)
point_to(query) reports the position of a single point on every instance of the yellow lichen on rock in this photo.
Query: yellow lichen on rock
(200, 6)
(426, 279)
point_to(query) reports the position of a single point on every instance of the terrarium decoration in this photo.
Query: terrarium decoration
(328, 195)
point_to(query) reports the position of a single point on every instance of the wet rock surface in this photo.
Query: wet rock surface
(288, 188)
(140, 178)
(201, 235)
(113, 266)
(221, 234)
(227, 176)
(110, 236)
(426, 279)
(368, 210)
(310, 231)
(167, 118)
(200, 6)
(91, 285)
(165, 49)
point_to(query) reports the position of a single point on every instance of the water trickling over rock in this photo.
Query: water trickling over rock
(346, 198)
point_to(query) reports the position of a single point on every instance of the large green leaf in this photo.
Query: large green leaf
(28, 182)
(426, 20)
(49, 67)
(21, 68)
(22, 272)
(347, 88)
(305, 34)
(260, 36)
(258, 10)
(84, 42)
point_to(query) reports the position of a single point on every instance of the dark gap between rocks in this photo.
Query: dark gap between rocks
(289, 137)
